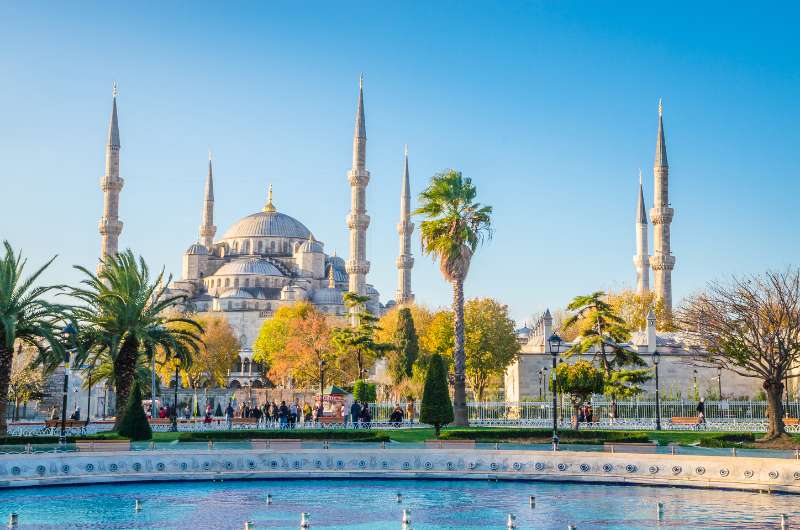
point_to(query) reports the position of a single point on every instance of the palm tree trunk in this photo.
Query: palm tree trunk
(459, 358)
(6, 356)
(124, 372)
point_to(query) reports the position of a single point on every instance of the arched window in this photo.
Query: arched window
(246, 247)
(237, 367)
(260, 247)
(247, 282)
(272, 246)
(236, 282)
(227, 282)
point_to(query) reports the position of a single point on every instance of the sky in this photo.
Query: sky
(550, 107)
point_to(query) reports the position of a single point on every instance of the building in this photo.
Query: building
(680, 377)
(267, 259)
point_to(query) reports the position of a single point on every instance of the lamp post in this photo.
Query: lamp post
(322, 364)
(656, 359)
(719, 381)
(68, 333)
(540, 383)
(554, 342)
(175, 399)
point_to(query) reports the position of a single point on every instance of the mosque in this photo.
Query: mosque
(269, 259)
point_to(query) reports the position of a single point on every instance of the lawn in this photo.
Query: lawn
(479, 434)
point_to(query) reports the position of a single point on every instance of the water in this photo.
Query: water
(371, 505)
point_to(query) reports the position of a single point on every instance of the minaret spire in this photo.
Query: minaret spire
(207, 228)
(405, 227)
(357, 221)
(641, 259)
(662, 261)
(110, 226)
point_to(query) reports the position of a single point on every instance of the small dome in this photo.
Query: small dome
(327, 296)
(236, 293)
(258, 266)
(337, 262)
(197, 249)
(371, 291)
(310, 245)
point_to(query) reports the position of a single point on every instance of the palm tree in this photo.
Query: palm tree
(605, 333)
(453, 228)
(25, 317)
(125, 311)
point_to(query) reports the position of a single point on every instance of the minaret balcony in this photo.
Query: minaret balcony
(109, 183)
(110, 226)
(357, 267)
(405, 261)
(405, 227)
(358, 177)
(661, 215)
(662, 262)
(358, 221)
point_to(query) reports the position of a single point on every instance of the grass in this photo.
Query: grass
(479, 434)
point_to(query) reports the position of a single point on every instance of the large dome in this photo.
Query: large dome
(265, 224)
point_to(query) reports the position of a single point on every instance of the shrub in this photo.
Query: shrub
(363, 391)
(134, 424)
(436, 409)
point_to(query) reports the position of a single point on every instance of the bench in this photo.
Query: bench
(244, 421)
(160, 421)
(449, 444)
(69, 424)
(283, 443)
(646, 447)
(103, 445)
(688, 420)
(791, 421)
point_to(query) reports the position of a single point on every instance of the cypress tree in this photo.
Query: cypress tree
(436, 409)
(134, 424)
(218, 410)
(407, 346)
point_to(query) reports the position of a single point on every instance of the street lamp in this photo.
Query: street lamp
(68, 333)
(175, 399)
(656, 358)
(322, 364)
(554, 343)
(719, 381)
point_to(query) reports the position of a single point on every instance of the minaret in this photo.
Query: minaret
(662, 261)
(357, 221)
(207, 228)
(641, 261)
(405, 261)
(111, 184)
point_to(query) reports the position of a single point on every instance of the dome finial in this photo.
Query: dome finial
(660, 107)
(269, 207)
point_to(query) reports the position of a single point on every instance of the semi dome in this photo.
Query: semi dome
(197, 249)
(311, 245)
(257, 266)
(236, 293)
(327, 296)
(268, 224)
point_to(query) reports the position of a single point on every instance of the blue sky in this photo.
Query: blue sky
(550, 107)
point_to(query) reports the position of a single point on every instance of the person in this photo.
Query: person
(76, 415)
(54, 414)
(589, 414)
(365, 416)
(293, 412)
(410, 409)
(229, 415)
(187, 412)
(612, 412)
(283, 415)
(307, 412)
(209, 409)
(396, 417)
(274, 412)
(701, 411)
(355, 413)
(337, 411)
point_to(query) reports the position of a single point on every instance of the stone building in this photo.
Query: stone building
(527, 377)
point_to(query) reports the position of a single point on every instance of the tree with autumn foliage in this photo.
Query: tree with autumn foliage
(274, 332)
(215, 357)
(309, 357)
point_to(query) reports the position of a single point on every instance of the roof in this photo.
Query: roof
(261, 224)
(258, 266)
(311, 245)
(236, 293)
(198, 249)
(327, 296)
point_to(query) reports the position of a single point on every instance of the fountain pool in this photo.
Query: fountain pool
(371, 504)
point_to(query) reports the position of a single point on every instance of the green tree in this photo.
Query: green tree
(579, 381)
(604, 334)
(406, 347)
(453, 228)
(134, 424)
(364, 391)
(25, 317)
(436, 409)
(126, 312)
(490, 343)
(27, 381)
(358, 342)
